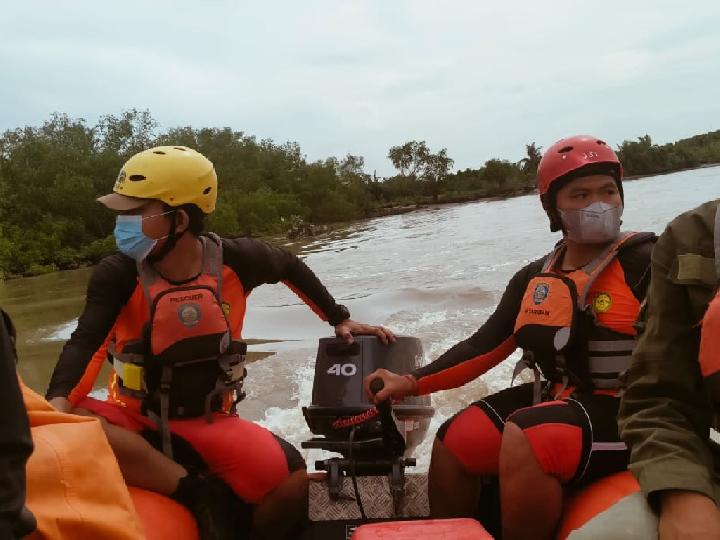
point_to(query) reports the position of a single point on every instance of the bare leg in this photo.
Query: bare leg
(531, 500)
(141, 465)
(278, 515)
(452, 490)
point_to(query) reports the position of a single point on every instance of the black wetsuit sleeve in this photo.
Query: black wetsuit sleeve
(256, 263)
(111, 285)
(15, 442)
(486, 348)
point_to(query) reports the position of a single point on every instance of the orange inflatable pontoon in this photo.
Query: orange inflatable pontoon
(580, 508)
(75, 488)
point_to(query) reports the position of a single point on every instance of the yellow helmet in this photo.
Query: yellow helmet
(175, 175)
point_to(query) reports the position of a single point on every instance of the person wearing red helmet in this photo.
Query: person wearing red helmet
(572, 312)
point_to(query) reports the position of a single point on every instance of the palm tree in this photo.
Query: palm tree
(530, 163)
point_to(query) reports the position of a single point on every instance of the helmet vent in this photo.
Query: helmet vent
(602, 143)
(565, 150)
(136, 177)
(207, 190)
(159, 152)
(179, 148)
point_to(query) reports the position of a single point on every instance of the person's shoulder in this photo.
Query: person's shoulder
(113, 274)
(117, 265)
(245, 249)
(240, 245)
(531, 269)
(693, 230)
(638, 247)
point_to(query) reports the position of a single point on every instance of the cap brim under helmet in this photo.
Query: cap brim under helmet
(121, 203)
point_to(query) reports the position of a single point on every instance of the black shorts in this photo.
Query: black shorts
(574, 439)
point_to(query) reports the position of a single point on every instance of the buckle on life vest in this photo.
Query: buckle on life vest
(527, 361)
(133, 376)
(231, 379)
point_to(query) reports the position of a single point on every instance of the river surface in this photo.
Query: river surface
(435, 273)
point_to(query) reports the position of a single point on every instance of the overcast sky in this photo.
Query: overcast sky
(339, 76)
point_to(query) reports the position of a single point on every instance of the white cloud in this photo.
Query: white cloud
(480, 78)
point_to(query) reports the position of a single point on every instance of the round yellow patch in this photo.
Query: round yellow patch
(602, 303)
(226, 309)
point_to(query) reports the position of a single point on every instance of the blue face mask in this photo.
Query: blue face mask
(130, 238)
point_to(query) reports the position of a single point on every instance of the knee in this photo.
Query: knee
(127, 445)
(555, 448)
(85, 412)
(470, 441)
(442, 456)
(294, 487)
(120, 439)
(515, 449)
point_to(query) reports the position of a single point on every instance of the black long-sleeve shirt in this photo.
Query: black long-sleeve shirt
(115, 278)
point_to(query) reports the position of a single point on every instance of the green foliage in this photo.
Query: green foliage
(415, 162)
(496, 178)
(264, 211)
(530, 162)
(642, 157)
(50, 176)
(98, 249)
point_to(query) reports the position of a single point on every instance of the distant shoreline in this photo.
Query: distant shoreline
(320, 230)
(398, 210)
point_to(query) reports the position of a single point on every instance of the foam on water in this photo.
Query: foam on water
(436, 274)
(60, 332)
(290, 372)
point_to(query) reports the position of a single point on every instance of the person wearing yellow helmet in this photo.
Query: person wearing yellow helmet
(168, 313)
(180, 178)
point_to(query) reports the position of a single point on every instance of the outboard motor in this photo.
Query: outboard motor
(373, 441)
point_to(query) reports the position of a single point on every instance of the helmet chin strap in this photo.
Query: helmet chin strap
(170, 243)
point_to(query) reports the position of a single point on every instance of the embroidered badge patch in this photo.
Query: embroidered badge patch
(602, 303)
(540, 293)
(189, 314)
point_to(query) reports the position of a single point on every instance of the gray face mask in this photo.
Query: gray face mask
(597, 223)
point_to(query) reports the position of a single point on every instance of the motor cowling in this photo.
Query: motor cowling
(338, 387)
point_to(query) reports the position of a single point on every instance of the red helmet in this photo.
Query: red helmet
(571, 154)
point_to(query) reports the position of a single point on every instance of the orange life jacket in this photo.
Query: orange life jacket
(709, 356)
(184, 363)
(566, 327)
(710, 349)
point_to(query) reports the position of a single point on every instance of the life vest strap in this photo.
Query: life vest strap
(606, 384)
(607, 360)
(565, 383)
(213, 261)
(212, 266)
(231, 380)
(609, 364)
(621, 345)
(164, 420)
(594, 268)
(527, 361)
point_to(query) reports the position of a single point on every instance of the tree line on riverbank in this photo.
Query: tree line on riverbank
(51, 174)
